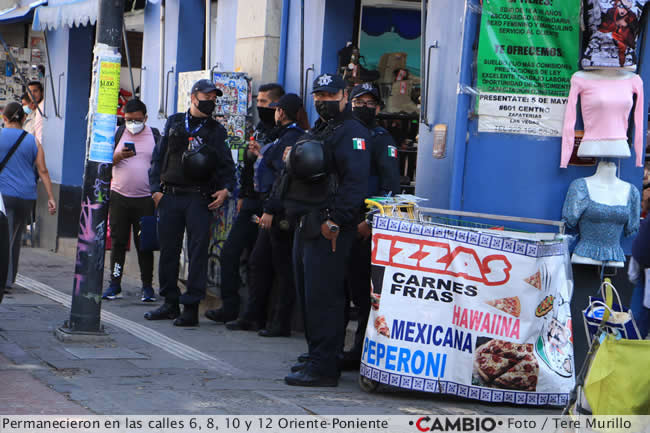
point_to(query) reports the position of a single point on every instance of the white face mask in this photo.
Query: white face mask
(26, 109)
(134, 127)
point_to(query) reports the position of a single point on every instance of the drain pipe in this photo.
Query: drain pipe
(302, 50)
(284, 39)
(161, 71)
(208, 33)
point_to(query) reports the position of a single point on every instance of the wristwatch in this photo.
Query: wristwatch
(333, 227)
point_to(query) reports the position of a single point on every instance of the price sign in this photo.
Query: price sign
(109, 87)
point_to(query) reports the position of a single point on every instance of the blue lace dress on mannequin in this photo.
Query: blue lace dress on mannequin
(599, 225)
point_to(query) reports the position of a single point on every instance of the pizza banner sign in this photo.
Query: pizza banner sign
(471, 313)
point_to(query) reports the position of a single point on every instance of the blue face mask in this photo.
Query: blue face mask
(26, 109)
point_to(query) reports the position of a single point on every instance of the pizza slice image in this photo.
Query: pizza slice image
(382, 327)
(511, 306)
(523, 376)
(507, 349)
(535, 280)
(490, 366)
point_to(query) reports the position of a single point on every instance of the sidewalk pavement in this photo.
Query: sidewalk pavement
(155, 368)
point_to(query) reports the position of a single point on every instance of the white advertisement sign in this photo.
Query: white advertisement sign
(470, 313)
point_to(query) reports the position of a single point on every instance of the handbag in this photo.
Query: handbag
(614, 379)
(149, 233)
(617, 319)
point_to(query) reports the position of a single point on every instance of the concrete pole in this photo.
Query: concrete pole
(89, 269)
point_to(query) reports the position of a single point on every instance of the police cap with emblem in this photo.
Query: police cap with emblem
(328, 83)
(365, 89)
(205, 86)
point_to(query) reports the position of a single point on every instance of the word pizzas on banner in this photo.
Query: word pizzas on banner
(470, 313)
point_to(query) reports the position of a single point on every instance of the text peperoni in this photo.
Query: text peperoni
(440, 258)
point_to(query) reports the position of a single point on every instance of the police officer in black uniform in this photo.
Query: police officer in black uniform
(271, 256)
(249, 205)
(384, 181)
(327, 183)
(191, 175)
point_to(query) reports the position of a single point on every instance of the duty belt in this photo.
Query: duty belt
(184, 190)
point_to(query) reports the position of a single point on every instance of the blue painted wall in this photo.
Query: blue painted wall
(78, 77)
(183, 50)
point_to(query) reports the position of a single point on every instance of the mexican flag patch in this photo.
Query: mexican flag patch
(359, 144)
(392, 151)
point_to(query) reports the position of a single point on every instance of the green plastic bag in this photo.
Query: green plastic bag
(618, 382)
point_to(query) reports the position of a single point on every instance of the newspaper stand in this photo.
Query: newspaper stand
(543, 330)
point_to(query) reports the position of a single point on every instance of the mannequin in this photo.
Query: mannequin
(607, 98)
(602, 208)
(605, 188)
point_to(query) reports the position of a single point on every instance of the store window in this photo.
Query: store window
(387, 53)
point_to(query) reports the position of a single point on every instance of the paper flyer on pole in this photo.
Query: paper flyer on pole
(526, 56)
(469, 313)
(105, 93)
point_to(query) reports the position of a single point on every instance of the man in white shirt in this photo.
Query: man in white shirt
(36, 89)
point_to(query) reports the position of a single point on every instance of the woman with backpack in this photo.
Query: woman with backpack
(20, 153)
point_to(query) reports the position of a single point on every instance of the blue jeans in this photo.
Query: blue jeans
(641, 314)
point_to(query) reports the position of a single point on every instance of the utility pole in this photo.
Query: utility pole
(102, 120)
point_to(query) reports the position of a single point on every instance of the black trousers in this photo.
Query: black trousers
(18, 210)
(320, 282)
(178, 213)
(358, 287)
(270, 259)
(125, 213)
(242, 236)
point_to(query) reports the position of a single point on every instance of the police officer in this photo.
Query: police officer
(384, 180)
(327, 183)
(191, 175)
(271, 256)
(244, 229)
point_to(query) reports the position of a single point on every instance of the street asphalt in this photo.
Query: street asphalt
(155, 368)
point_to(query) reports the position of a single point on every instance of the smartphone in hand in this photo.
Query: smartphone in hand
(129, 145)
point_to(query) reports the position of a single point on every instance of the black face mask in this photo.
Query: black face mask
(206, 107)
(266, 115)
(365, 114)
(328, 110)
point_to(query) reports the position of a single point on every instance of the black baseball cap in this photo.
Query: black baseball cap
(290, 103)
(328, 83)
(365, 89)
(205, 86)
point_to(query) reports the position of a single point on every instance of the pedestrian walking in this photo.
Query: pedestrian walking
(36, 89)
(20, 152)
(271, 256)
(243, 232)
(130, 198)
(192, 174)
(328, 173)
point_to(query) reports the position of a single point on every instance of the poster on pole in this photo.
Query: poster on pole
(470, 313)
(526, 56)
(103, 107)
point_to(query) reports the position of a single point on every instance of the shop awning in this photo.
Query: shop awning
(404, 22)
(20, 12)
(71, 13)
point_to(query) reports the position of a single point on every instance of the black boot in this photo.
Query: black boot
(190, 316)
(167, 311)
(221, 315)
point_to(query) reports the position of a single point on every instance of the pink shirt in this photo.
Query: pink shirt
(606, 106)
(131, 175)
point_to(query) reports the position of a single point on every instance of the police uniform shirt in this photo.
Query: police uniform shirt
(263, 134)
(166, 159)
(384, 167)
(350, 141)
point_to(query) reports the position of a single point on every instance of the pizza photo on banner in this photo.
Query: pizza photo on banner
(527, 53)
(472, 313)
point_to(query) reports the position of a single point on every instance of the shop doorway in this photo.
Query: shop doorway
(385, 49)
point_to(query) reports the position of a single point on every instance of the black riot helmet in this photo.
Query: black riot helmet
(307, 161)
(200, 164)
